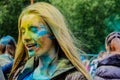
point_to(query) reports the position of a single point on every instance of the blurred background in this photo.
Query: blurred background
(89, 20)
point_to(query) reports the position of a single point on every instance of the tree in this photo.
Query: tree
(89, 20)
(86, 19)
(9, 13)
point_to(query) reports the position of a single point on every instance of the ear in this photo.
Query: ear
(107, 47)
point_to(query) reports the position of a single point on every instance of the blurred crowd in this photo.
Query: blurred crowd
(107, 64)
(7, 53)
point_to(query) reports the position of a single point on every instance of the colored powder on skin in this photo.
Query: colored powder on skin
(31, 53)
(52, 69)
(39, 41)
(38, 45)
(43, 30)
(46, 59)
(51, 37)
(40, 72)
(42, 33)
(34, 29)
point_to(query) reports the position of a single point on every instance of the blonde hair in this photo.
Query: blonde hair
(57, 24)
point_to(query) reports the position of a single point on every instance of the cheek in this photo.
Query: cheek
(43, 32)
(35, 37)
(41, 40)
(44, 41)
(41, 36)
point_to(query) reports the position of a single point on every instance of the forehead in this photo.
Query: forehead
(31, 19)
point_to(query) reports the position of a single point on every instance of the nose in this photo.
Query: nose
(27, 37)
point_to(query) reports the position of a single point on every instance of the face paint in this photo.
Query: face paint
(41, 72)
(31, 53)
(41, 33)
(43, 30)
(35, 36)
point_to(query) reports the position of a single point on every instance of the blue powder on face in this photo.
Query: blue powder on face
(43, 30)
(42, 33)
(37, 46)
(31, 53)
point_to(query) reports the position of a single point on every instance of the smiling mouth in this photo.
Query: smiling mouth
(31, 46)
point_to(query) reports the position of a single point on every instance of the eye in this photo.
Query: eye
(34, 29)
(22, 30)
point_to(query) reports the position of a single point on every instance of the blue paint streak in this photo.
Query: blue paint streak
(42, 33)
(31, 53)
(34, 29)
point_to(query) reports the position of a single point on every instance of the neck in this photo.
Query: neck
(48, 57)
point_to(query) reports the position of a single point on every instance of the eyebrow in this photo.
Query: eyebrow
(28, 27)
(32, 26)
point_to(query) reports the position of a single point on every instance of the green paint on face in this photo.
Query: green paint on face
(34, 34)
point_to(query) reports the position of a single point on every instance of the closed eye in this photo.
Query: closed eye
(33, 29)
(22, 30)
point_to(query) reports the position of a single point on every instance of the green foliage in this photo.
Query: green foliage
(9, 13)
(86, 20)
(89, 20)
(113, 23)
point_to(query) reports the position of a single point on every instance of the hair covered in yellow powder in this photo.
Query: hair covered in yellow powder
(57, 25)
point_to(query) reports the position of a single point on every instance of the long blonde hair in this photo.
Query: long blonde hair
(57, 24)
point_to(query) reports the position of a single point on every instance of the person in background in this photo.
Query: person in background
(109, 67)
(86, 63)
(94, 63)
(102, 55)
(1, 74)
(45, 50)
(7, 48)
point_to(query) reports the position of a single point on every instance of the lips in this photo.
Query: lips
(31, 46)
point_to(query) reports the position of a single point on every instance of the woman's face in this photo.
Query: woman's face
(35, 36)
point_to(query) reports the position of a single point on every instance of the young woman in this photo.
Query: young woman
(45, 48)
(109, 67)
